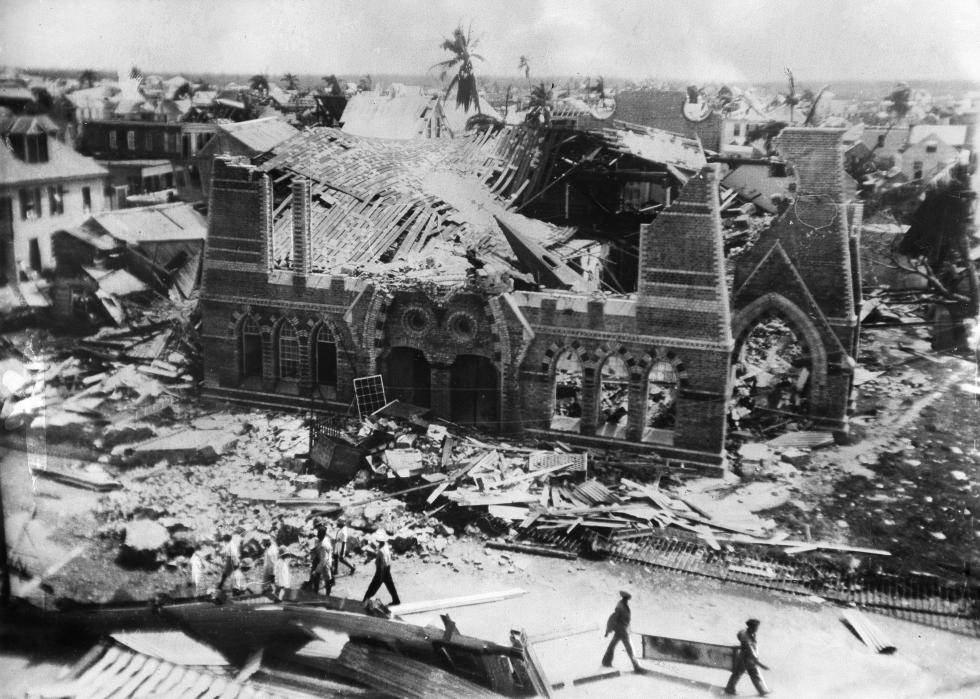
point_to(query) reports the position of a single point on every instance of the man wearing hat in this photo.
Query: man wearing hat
(747, 660)
(382, 572)
(619, 625)
(340, 541)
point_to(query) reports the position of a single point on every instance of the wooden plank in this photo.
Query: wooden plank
(680, 650)
(807, 544)
(397, 675)
(867, 631)
(562, 633)
(532, 549)
(541, 685)
(453, 602)
(528, 476)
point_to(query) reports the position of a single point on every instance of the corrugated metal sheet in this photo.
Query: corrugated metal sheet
(177, 221)
(172, 646)
(259, 135)
(400, 117)
(117, 671)
(401, 676)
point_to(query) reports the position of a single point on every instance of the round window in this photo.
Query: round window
(415, 320)
(462, 326)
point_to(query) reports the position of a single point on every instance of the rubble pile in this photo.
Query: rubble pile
(100, 390)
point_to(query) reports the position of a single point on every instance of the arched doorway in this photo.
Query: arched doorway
(474, 387)
(407, 376)
(566, 413)
(661, 405)
(614, 397)
(772, 376)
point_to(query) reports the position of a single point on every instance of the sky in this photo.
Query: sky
(709, 40)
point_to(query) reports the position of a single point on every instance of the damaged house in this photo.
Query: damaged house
(335, 257)
(153, 250)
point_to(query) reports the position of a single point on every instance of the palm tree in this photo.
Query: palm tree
(88, 78)
(259, 83)
(291, 81)
(461, 45)
(900, 100)
(524, 64)
(332, 86)
(792, 99)
(540, 103)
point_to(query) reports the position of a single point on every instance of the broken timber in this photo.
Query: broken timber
(867, 631)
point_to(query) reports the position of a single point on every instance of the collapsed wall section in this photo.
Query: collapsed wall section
(802, 270)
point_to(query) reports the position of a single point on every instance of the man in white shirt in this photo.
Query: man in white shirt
(269, 560)
(382, 572)
(341, 539)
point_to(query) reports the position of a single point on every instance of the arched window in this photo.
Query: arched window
(567, 410)
(325, 356)
(614, 398)
(288, 352)
(661, 400)
(772, 376)
(251, 339)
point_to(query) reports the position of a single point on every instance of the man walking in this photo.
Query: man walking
(619, 625)
(747, 660)
(382, 572)
(269, 560)
(340, 540)
(231, 553)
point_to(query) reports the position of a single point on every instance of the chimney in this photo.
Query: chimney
(817, 156)
(301, 227)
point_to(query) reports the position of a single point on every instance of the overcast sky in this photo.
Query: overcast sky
(728, 40)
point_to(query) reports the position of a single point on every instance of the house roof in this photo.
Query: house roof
(658, 146)
(178, 221)
(258, 135)
(29, 125)
(404, 208)
(399, 116)
(13, 92)
(63, 163)
(457, 117)
(953, 135)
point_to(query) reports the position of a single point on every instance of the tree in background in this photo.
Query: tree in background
(332, 86)
(292, 82)
(365, 84)
(183, 92)
(136, 73)
(461, 47)
(88, 77)
(541, 101)
(259, 83)
(899, 101)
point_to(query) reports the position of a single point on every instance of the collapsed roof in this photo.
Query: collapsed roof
(412, 210)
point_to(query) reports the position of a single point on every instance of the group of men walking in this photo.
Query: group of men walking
(746, 656)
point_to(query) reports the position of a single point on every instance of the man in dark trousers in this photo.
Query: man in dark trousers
(619, 625)
(382, 572)
(747, 660)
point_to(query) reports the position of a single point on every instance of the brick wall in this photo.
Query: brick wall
(802, 268)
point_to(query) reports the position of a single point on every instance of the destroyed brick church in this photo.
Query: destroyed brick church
(334, 257)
